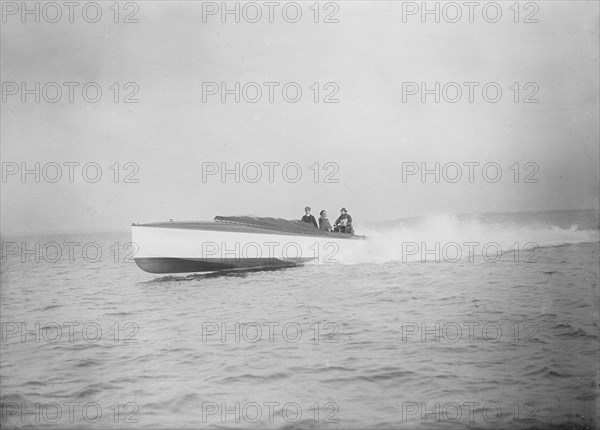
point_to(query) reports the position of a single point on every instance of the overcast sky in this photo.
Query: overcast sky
(369, 133)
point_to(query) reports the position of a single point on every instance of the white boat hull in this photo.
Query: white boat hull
(165, 248)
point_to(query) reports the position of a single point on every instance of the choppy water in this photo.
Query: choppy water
(386, 341)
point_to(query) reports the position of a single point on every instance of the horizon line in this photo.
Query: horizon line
(126, 228)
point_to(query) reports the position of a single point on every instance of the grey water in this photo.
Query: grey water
(384, 341)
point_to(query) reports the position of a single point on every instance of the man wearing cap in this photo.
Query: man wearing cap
(344, 222)
(308, 218)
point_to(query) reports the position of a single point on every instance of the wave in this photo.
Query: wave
(453, 238)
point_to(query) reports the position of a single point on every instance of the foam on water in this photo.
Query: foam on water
(454, 237)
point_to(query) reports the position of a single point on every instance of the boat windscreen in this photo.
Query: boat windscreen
(280, 224)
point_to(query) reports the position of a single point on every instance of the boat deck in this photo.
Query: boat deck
(246, 224)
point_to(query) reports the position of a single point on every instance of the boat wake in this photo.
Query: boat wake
(454, 237)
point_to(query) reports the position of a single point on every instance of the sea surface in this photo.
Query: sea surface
(416, 332)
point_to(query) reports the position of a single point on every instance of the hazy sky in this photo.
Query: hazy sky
(369, 133)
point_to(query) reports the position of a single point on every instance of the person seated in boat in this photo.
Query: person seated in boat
(344, 223)
(324, 224)
(308, 218)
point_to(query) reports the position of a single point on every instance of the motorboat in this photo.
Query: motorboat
(236, 242)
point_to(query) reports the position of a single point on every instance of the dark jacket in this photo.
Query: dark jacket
(310, 219)
(341, 217)
(324, 224)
